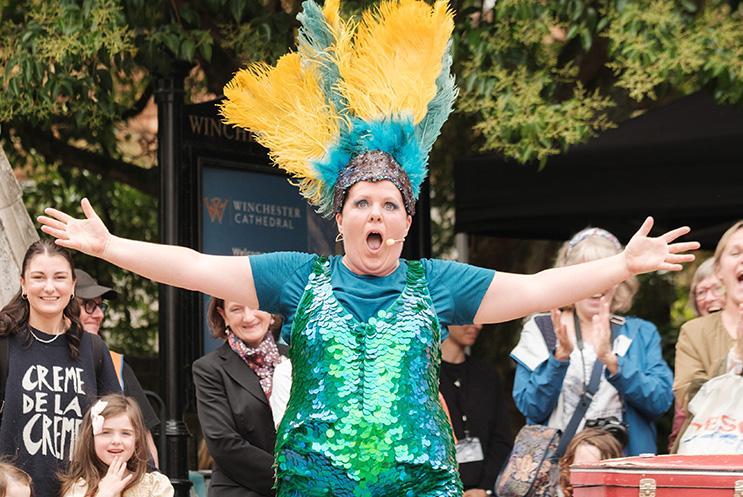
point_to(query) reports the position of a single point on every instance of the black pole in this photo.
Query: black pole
(169, 99)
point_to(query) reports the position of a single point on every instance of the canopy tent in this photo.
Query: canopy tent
(681, 163)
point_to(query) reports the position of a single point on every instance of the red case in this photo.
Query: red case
(660, 476)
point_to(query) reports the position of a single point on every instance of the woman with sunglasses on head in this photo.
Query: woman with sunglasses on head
(558, 356)
(713, 344)
(54, 369)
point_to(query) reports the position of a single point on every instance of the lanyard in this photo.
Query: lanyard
(579, 344)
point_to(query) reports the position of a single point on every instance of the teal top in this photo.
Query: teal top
(456, 289)
(363, 418)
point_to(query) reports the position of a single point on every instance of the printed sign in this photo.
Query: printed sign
(51, 396)
(248, 210)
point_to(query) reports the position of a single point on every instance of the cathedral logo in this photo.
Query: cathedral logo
(215, 206)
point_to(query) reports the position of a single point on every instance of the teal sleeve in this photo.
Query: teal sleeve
(277, 279)
(457, 289)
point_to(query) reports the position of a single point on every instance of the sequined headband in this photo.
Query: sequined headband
(589, 232)
(373, 166)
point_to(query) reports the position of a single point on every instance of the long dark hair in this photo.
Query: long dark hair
(14, 316)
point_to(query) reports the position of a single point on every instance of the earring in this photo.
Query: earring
(24, 296)
(339, 237)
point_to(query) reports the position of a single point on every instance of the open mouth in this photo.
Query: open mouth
(374, 240)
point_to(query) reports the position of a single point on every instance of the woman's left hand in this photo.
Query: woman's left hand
(644, 254)
(602, 338)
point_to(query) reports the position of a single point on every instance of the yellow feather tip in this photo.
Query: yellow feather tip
(286, 109)
(330, 11)
(396, 59)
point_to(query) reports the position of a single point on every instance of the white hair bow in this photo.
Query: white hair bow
(95, 416)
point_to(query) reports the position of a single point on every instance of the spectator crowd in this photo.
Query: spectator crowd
(242, 388)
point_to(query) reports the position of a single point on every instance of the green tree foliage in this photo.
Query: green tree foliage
(542, 76)
(74, 73)
(535, 78)
(131, 321)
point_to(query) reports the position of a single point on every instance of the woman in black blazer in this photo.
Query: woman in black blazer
(233, 384)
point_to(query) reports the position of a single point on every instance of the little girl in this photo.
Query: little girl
(110, 457)
(14, 482)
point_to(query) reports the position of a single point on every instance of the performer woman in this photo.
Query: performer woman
(352, 116)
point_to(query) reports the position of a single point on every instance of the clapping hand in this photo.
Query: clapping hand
(644, 254)
(116, 479)
(602, 338)
(564, 346)
(87, 235)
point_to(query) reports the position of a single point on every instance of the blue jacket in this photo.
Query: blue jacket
(643, 381)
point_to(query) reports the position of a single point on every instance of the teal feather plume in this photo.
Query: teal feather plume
(439, 107)
(316, 39)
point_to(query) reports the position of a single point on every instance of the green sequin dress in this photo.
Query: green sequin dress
(364, 417)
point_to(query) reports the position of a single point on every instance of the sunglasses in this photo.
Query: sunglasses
(90, 305)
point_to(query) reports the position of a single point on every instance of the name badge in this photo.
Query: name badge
(621, 345)
(469, 450)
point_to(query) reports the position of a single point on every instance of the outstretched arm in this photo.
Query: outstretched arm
(226, 277)
(511, 296)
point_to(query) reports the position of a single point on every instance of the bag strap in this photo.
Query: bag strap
(97, 344)
(587, 397)
(580, 410)
(544, 323)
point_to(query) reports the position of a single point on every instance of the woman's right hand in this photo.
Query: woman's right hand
(87, 235)
(564, 346)
(116, 479)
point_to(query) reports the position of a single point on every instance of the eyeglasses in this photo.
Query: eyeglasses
(715, 291)
(90, 306)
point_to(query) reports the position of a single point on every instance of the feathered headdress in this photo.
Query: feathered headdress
(353, 93)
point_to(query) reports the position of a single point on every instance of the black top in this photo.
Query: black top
(46, 395)
(480, 398)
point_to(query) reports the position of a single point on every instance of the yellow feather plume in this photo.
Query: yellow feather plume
(395, 59)
(284, 106)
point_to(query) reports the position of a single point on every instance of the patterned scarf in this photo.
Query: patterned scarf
(261, 359)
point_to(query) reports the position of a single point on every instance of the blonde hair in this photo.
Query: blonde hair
(724, 240)
(85, 464)
(598, 244)
(705, 270)
(10, 473)
(606, 443)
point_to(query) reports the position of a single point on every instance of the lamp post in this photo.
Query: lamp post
(169, 98)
